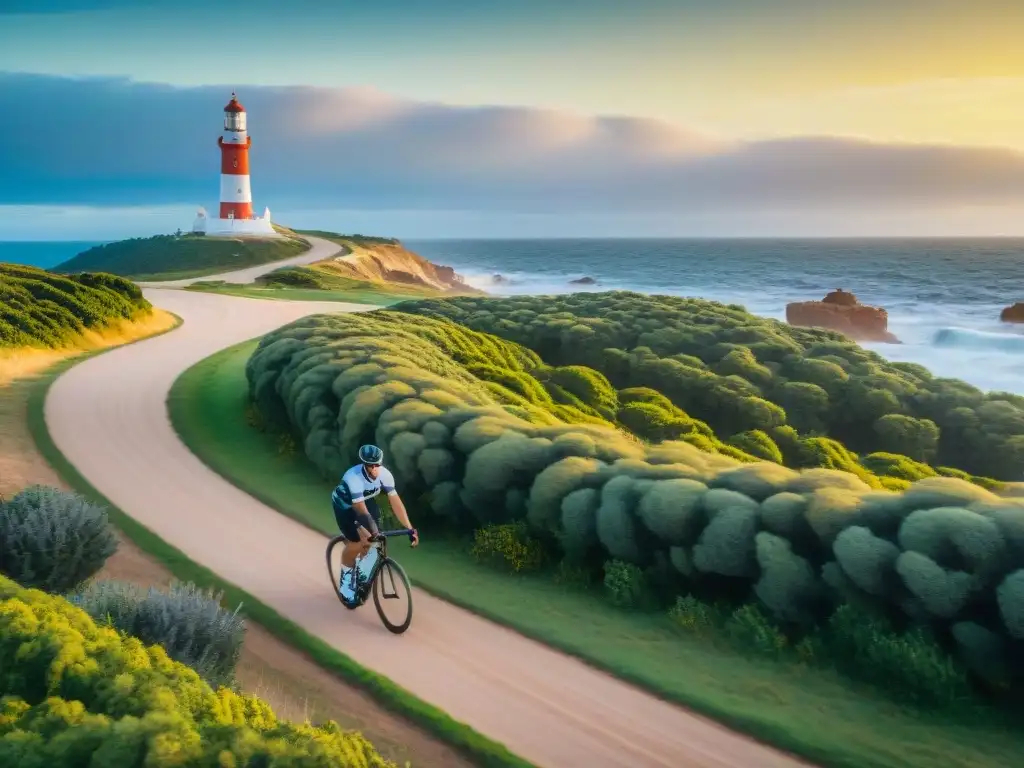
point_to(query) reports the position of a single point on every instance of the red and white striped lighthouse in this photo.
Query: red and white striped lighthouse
(235, 191)
(236, 217)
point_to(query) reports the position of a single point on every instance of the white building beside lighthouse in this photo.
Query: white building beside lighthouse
(235, 216)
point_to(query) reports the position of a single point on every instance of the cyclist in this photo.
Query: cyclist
(358, 516)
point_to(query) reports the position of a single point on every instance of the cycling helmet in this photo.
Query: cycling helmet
(371, 454)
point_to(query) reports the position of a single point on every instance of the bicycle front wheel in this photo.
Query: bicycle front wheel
(392, 596)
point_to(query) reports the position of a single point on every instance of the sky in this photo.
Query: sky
(448, 118)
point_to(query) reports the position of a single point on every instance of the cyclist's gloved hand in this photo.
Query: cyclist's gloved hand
(414, 538)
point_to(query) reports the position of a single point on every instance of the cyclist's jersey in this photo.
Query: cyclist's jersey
(356, 486)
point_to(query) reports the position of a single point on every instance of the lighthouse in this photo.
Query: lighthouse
(236, 212)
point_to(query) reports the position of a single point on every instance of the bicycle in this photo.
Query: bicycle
(384, 568)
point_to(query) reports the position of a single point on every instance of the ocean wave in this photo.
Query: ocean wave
(965, 338)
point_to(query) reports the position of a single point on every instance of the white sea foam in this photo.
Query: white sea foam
(943, 297)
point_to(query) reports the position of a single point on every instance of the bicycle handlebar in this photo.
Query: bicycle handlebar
(398, 532)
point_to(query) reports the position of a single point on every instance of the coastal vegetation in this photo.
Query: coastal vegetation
(484, 434)
(812, 395)
(297, 672)
(317, 283)
(719, 652)
(172, 656)
(357, 239)
(369, 270)
(42, 309)
(168, 257)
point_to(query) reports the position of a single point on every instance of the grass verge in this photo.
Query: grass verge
(808, 711)
(359, 294)
(478, 748)
(173, 257)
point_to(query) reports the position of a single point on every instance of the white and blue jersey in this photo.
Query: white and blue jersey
(356, 486)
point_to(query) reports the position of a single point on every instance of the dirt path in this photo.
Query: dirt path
(108, 416)
(294, 685)
(321, 249)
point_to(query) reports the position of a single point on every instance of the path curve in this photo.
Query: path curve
(319, 249)
(108, 416)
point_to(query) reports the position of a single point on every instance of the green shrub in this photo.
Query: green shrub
(788, 586)
(189, 623)
(294, 277)
(750, 628)
(899, 467)
(916, 438)
(44, 309)
(758, 444)
(508, 546)
(76, 694)
(867, 560)
(589, 386)
(909, 665)
(625, 584)
(53, 540)
(694, 616)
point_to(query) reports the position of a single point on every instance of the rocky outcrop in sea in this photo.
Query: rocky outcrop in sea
(840, 311)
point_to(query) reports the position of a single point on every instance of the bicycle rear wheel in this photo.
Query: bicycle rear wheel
(393, 607)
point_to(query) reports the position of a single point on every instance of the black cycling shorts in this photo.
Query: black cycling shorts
(348, 519)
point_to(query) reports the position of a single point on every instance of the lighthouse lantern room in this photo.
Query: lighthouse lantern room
(236, 212)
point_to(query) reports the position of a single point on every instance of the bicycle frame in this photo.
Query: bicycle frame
(381, 542)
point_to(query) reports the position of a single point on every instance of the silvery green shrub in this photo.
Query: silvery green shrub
(188, 622)
(53, 540)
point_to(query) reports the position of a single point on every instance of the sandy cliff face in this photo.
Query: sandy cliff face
(840, 311)
(393, 263)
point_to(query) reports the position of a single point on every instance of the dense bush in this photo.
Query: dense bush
(738, 373)
(181, 254)
(189, 623)
(44, 309)
(909, 664)
(295, 277)
(75, 694)
(508, 546)
(53, 540)
(624, 584)
(941, 553)
(324, 278)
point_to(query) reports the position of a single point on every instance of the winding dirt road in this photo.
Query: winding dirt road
(321, 249)
(109, 418)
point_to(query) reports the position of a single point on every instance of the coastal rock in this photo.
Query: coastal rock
(500, 280)
(840, 311)
(840, 297)
(449, 276)
(401, 276)
(583, 281)
(1013, 314)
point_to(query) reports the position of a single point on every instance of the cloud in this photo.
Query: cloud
(118, 142)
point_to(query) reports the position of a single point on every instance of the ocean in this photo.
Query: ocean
(943, 296)
(42, 253)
